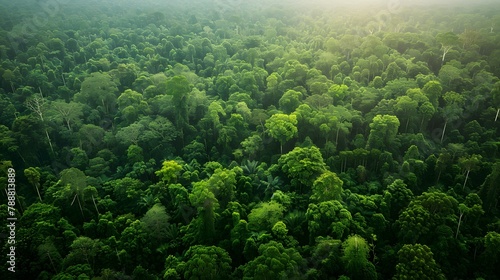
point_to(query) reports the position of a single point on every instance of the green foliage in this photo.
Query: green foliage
(327, 186)
(282, 127)
(265, 215)
(206, 262)
(302, 166)
(155, 134)
(417, 262)
(355, 258)
(328, 218)
(383, 130)
(169, 171)
(274, 261)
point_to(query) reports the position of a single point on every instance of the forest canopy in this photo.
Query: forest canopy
(250, 139)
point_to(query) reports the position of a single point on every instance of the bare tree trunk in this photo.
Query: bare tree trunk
(466, 177)
(496, 117)
(38, 191)
(50, 142)
(459, 222)
(64, 80)
(51, 262)
(439, 175)
(444, 129)
(97, 210)
(79, 204)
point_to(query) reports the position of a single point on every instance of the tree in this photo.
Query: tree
(452, 109)
(169, 171)
(33, 176)
(73, 182)
(282, 128)
(425, 213)
(156, 223)
(179, 87)
(495, 92)
(397, 197)
(328, 186)
(83, 250)
(448, 41)
(290, 101)
(302, 166)
(491, 256)
(407, 108)
(69, 113)
(433, 91)
(206, 262)
(38, 106)
(326, 257)
(469, 164)
(489, 189)
(91, 137)
(355, 259)
(223, 184)
(129, 98)
(383, 130)
(469, 212)
(328, 218)
(265, 215)
(206, 203)
(252, 145)
(426, 110)
(417, 262)
(274, 262)
(98, 91)
(348, 43)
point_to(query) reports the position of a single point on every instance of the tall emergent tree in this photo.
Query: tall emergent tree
(282, 127)
(383, 132)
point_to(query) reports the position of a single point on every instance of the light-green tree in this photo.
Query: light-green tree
(448, 41)
(169, 171)
(383, 130)
(355, 259)
(282, 127)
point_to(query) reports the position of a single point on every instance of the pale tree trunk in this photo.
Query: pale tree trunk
(466, 177)
(97, 210)
(445, 51)
(51, 262)
(64, 80)
(459, 222)
(67, 123)
(50, 142)
(79, 204)
(444, 129)
(38, 191)
(496, 117)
